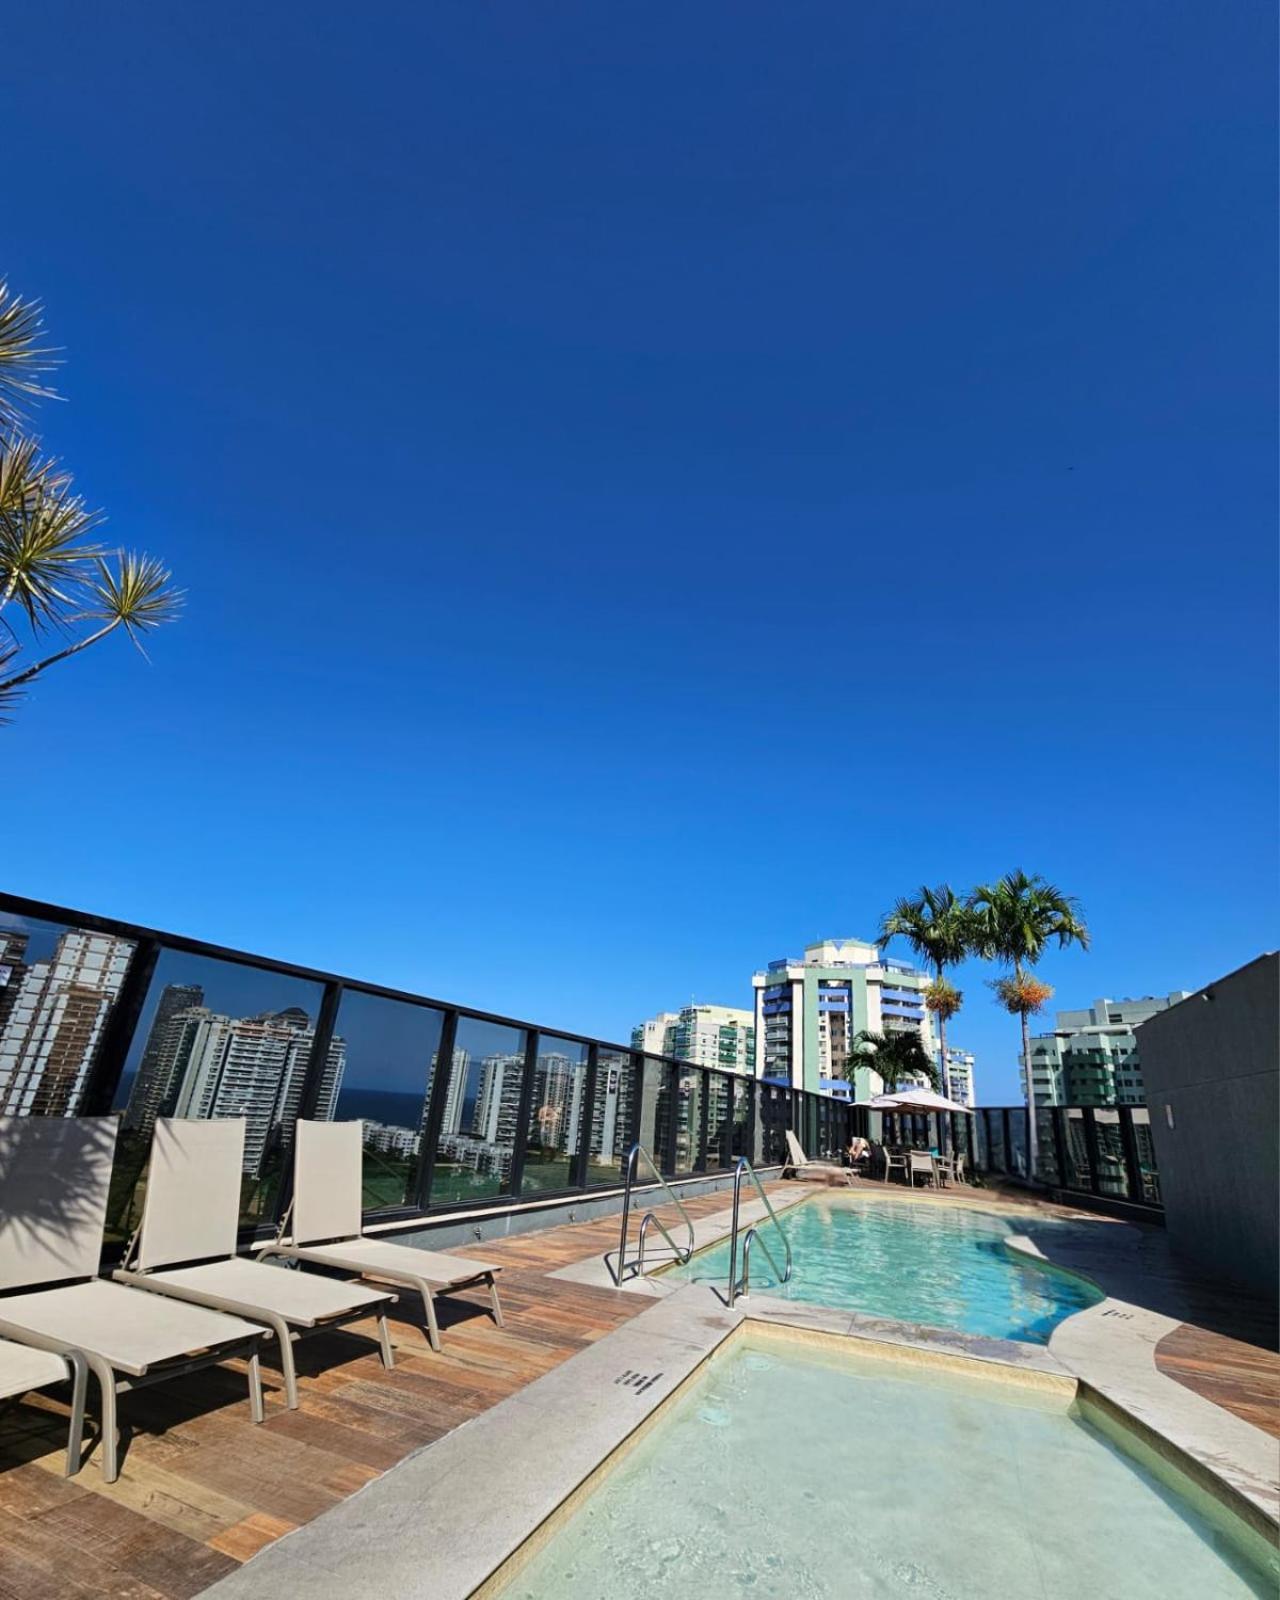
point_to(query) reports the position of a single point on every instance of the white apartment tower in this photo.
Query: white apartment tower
(707, 1036)
(810, 1010)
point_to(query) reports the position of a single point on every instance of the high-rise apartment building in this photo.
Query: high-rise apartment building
(709, 1036)
(497, 1107)
(455, 1095)
(810, 1010)
(160, 1068)
(1091, 1057)
(959, 1075)
(52, 1013)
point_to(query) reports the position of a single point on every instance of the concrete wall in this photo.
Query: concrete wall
(1212, 1069)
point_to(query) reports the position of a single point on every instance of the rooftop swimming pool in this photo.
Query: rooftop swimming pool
(786, 1476)
(945, 1266)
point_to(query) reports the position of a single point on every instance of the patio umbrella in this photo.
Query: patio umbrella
(917, 1100)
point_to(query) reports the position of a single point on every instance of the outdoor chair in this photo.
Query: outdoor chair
(894, 1161)
(920, 1165)
(55, 1173)
(325, 1222)
(186, 1246)
(798, 1162)
(23, 1369)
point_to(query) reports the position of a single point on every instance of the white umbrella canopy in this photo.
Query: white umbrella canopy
(917, 1100)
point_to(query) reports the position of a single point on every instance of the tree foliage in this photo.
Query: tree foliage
(895, 1056)
(59, 584)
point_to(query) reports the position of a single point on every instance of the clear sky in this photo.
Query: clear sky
(656, 482)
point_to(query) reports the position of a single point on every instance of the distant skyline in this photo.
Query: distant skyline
(655, 486)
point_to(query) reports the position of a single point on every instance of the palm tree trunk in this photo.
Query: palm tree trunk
(1028, 1090)
(945, 1128)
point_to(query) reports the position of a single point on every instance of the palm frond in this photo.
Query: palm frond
(9, 695)
(935, 923)
(22, 356)
(1015, 917)
(25, 475)
(44, 556)
(135, 592)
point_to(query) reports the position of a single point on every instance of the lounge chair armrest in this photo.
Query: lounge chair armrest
(37, 1341)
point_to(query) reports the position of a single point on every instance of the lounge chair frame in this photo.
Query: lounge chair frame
(212, 1152)
(88, 1144)
(335, 1222)
(797, 1162)
(77, 1374)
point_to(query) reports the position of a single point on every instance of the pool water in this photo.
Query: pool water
(945, 1266)
(791, 1476)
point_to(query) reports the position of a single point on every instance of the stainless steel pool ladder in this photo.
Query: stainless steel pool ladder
(742, 1168)
(650, 1219)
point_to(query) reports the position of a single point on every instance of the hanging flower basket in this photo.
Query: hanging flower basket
(1022, 996)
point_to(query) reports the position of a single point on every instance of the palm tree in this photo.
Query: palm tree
(938, 926)
(895, 1056)
(59, 581)
(1013, 921)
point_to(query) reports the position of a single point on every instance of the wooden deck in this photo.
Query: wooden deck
(1241, 1378)
(201, 1490)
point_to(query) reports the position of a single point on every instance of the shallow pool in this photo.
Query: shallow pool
(791, 1476)
(942, 1265)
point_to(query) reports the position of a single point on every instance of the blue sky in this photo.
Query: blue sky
(656, 483)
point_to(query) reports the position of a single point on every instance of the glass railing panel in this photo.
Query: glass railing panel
(1113, 1177)
(1017, 1152)
(997, 1156)
(58, 987)
(214, 1039)
(720, 1105)
(656, 1130)
(1148, 1174)
(475, 1152)
(775, 1119)
(688, 1113)
(1076, 1150)
(555, 1114)
(613, 1108)
(389, 1050)
(1046, 1148)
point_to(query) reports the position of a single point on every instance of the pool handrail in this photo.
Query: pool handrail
(650, 1217)
(743, 1168)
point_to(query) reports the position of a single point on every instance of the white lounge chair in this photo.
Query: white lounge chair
(186, 1246)
(799, 1162)
(54, 1176)
(23, 1369)
(326, 1225)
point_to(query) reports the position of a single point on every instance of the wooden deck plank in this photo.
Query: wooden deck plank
(1241, 1378)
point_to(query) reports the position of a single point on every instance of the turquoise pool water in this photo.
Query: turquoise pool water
(941, 1265)
(787, 1477)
